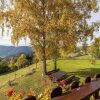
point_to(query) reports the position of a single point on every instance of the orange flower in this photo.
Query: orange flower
(47, 90)
(45, 81)
(22, 93)
(63, 83)
(31, 92)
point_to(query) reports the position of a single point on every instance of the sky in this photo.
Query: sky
(6, 38)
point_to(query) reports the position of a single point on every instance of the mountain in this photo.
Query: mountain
(7, 51)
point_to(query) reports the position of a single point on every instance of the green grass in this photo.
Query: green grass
(80, 68)
(11, 75)
(84, 57)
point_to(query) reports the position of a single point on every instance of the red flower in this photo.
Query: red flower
(10, 92)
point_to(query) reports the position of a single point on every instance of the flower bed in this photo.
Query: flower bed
(12, 94)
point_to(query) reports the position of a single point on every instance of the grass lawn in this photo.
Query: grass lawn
(80, 68)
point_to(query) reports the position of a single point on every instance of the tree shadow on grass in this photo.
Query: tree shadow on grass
(86, 72)
(14, 84)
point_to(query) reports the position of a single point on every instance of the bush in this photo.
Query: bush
(4, 67)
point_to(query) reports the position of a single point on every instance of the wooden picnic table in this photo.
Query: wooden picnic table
(82, 93)
(58, 75)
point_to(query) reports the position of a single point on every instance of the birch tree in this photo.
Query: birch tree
(61, 23)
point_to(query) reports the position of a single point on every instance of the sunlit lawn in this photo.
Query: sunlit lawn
(80, 68)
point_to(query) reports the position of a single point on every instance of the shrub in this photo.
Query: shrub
(4, 67)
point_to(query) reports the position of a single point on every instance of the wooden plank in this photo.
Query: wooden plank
(81, 93)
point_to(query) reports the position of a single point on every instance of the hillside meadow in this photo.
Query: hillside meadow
(21, 81)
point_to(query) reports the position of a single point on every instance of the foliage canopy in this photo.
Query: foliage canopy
(50, 24)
